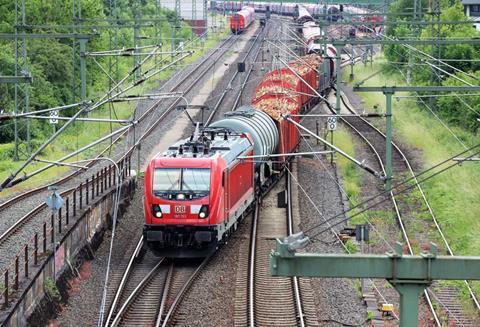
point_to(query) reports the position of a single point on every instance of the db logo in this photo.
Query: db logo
(180, 209)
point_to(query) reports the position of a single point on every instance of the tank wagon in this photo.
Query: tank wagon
(201, 187)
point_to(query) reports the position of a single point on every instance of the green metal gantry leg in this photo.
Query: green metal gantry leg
(388, 141)
(409, 302)
(352, 63)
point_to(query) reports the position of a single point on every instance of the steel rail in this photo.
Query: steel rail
(251, 321)
(295, 282)
(251, 267)
(183, 291)
(392, 196)
(166, 290)
(124, 280)
(424, 198)
(22, 221)
(128, 302)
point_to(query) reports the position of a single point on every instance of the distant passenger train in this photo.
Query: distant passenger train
(325, 12)
(240, 20)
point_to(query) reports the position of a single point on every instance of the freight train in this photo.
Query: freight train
(240, 20)
(197, 191)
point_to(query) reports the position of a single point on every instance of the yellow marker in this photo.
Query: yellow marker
(387, 307)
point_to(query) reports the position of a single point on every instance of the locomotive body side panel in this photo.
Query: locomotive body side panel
(240, 184)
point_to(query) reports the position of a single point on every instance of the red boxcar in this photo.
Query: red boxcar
(240, 21)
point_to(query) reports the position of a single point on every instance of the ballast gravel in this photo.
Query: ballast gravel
(337, 300)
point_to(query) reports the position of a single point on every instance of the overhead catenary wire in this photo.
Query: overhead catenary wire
(9, 181)
(405, 182)
(397, 193)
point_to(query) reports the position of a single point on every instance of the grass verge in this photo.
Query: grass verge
(454, 194)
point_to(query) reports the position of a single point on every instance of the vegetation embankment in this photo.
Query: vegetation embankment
(439, 126)
(453, 194)
(460, 63)
(52, 66)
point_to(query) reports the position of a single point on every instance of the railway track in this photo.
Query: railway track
(17, 198)
(251, 55)
(376, 141)
(267, 300)
(15, 205)
(148, 291)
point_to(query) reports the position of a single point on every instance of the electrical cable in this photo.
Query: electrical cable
(335, 180)
(400, 192)
(405, 182)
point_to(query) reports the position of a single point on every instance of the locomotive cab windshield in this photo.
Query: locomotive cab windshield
(181, 183)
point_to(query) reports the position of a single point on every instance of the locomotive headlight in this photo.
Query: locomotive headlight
(157, 212)
(203, 212)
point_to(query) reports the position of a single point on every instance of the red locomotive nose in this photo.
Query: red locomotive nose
(180, 193)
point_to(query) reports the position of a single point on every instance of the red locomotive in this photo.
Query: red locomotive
(240, 21)
(200, 188)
